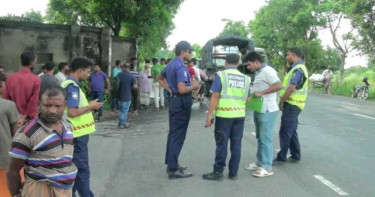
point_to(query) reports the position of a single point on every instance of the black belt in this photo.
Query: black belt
(178, 94)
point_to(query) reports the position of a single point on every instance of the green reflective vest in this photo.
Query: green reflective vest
(233, 95)
(83, 124)
(298, 97)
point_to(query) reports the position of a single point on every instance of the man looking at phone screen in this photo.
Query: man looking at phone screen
(78, 112)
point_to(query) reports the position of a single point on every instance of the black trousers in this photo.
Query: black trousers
(135, 99)
(179, 117)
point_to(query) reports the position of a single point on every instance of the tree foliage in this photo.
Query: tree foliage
(197, 51)
(237, 28)
(335, 12)
(287, 23)
(362, 15)
(30, 16)
(149, 21)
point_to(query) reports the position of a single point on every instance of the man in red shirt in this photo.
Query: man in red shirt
(23, 88)
(191, 69)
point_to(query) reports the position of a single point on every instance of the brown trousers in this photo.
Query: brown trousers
(33, 188)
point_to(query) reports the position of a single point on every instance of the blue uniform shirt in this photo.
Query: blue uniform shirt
(72, 93)
(216, 84)
(176, 72)
(298, 77)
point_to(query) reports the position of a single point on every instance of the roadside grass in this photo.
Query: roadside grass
(353, 77)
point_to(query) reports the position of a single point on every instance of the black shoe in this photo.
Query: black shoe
(180, 168)
(277, 161)
(232, 177)
(179, 174)
(214, 176)
(293, 160)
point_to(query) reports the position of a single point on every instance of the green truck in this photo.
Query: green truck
(215, 51)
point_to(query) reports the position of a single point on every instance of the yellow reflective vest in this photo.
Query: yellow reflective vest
(83, 124)
(298, 97)
(233, 95)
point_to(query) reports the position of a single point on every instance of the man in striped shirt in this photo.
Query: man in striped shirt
(133, 71)
(45, 148)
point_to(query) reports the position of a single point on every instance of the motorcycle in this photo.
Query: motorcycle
(361, 91)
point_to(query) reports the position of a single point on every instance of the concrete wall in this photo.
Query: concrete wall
(123, 49)
(15, 39)
(60, 43)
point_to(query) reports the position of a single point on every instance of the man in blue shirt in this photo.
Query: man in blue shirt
(176, 79)
(80, 70)
(98, 86)
(127, 83)
(230, 117)
(289, 119)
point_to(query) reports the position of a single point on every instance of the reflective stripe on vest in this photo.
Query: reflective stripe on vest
(83, 124)
(233, 95)
(298, 97)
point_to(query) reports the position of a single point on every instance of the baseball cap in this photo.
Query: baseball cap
(183, 46)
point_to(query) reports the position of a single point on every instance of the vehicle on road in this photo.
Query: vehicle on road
(215, 51)
(361, 91)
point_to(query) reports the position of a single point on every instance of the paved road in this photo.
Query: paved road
(337, 136)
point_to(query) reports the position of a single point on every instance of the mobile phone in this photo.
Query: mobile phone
(212, 122)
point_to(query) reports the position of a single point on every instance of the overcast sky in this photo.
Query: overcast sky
(197, 21)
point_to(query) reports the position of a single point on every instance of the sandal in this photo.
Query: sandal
(261, 172)
(252, 166)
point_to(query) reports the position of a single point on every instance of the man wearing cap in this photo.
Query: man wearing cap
(176, 78)
(230, 91)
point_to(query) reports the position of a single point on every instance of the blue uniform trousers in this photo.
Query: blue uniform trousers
(179, 117)
(100, 97)
(228, 129)
(288, 133)
(81, 160)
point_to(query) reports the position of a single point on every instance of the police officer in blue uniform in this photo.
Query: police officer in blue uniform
(176, 79)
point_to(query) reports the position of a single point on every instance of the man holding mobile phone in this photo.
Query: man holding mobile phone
(78, 112)
(230, 91)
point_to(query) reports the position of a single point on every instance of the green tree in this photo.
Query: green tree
(285, 23)
(197, 51)
(149, 21)
(335, 13)
(237, 28)
(362, 15)
(165, 53)
(30, 16)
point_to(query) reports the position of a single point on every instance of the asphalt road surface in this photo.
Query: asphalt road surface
(337, 136)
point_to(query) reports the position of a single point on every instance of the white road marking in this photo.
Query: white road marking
(253, 133)
(350, 104)
(365, 116)
(331, 185)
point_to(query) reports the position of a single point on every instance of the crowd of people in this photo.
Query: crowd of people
(46, 120)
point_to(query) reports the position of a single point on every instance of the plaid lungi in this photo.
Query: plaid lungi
(33, 188)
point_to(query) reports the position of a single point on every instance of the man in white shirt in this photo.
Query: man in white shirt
(63, 72)
(198, 77)
(328, 75)
(266, 84)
